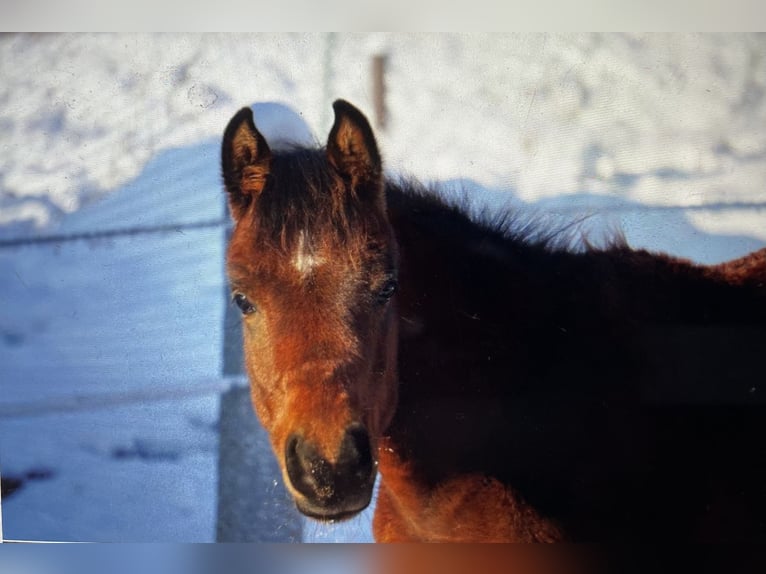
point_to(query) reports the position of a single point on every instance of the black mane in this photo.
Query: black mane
(300, 195)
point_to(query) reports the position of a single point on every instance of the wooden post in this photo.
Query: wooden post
(379, 90)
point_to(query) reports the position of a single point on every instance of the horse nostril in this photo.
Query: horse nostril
(309, 473)
(292, 461)
(356, 453)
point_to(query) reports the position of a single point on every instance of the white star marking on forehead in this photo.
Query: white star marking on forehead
(304, 260)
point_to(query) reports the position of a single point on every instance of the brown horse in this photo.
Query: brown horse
(506, 385)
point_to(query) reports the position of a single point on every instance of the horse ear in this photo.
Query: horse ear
(245, 161)
(351, 147)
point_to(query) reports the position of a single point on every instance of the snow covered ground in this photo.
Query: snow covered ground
(111, 366)
(110, 348)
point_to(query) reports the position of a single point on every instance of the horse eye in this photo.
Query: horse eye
(244, 304)
(388, 290)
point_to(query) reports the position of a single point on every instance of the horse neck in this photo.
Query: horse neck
(494, 329)
(472, 296)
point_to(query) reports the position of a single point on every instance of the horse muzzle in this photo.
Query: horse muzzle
(331, 490)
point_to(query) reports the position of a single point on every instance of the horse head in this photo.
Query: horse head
(312, 263)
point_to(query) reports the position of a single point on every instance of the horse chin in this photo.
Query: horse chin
(328, 516)
(344, 510)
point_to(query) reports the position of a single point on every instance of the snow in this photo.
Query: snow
(110, 348)
(656, 119)
(112, 352)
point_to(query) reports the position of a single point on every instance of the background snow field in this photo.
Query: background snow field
(111, 332)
